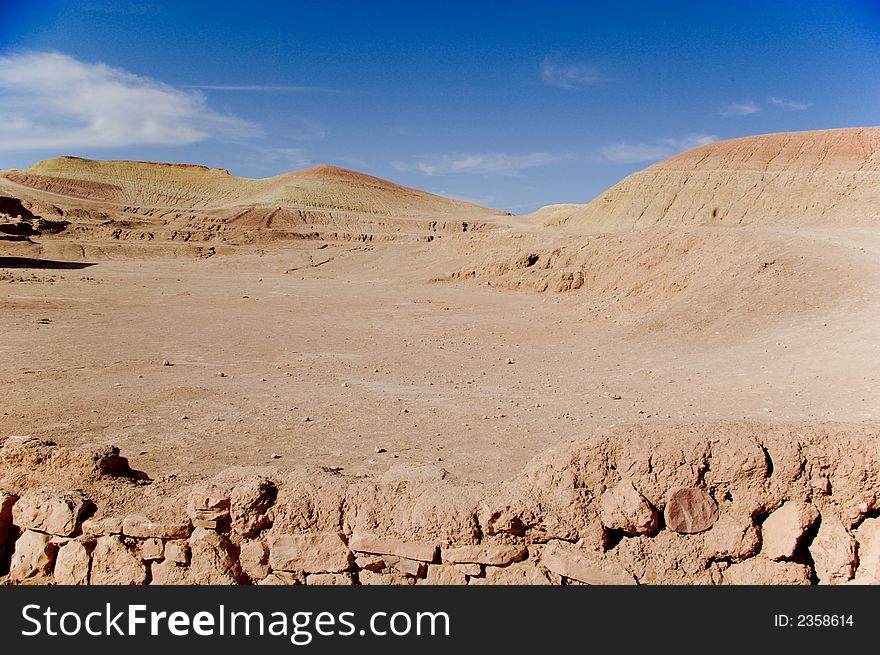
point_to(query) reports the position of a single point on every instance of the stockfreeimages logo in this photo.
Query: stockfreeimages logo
(300, 627)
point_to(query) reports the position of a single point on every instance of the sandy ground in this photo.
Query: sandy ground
(331, 354)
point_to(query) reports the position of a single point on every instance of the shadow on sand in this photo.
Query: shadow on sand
(29, 262)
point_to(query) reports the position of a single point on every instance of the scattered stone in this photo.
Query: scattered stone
(250, 501)
(624, 508)
(833, 551)
(732, 537)
(868, 538)
(114, 563)
(72, 564)
(689, 510)
(152, 549)
(211, 559)
(472, 570)
(323, 552)
(285, 578)
(254, 559)
(762, 571)
(444, 574)
(491, 555)
(33, 556)
(584, 566)
(363, 542)
(209, 512)
(168, 573)
(330, 579)
(523, 573)
(102, 527)
(45, 511)
(384, 579)
(784, 529)
(410, 567)
(177, 551)
(140, 527)
(370, 563)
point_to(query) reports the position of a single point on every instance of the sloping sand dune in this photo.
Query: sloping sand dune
(127, 200)
(825, 177)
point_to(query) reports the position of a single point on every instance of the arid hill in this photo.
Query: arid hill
(824, 177)
(155, 201)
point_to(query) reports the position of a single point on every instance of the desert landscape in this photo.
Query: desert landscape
(324, 377)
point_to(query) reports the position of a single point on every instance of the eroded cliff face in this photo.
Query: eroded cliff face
(825, 177)
(704, 504)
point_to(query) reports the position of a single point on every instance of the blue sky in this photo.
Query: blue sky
(509, 105)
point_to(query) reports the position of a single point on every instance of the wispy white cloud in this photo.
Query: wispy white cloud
(260, 88)
(636, 153)
(51, 100)
(568, 75)
(787, 104)
(488, 164)
(740, 108)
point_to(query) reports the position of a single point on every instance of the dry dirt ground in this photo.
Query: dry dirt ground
(358, 357)
(676, 383)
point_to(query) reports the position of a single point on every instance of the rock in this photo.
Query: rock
(33, 556)
(254, 559)
(732, 537)
(165, 362)
(102, 527)
(330, 579)
(207, 510)
(45, 511)
(523, 573)
(762, 571)
(784, 529)
(624, 508)
(211, 559)
(282, 578)
(384, 579)
(152, 549)
(410, 567)
(470, 569)
(493, 555)
(177, 551)
(250, 501)
(168, 573)
(444, 574)
(363, 542)
(114, 563)
(72, 564)
(868, 538)
(584, 566)
(833, 551)
(689, 510)
(140, 527)
(369, 562)
(322, 552)
(505, 523)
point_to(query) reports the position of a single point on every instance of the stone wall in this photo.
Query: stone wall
(722, 504)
